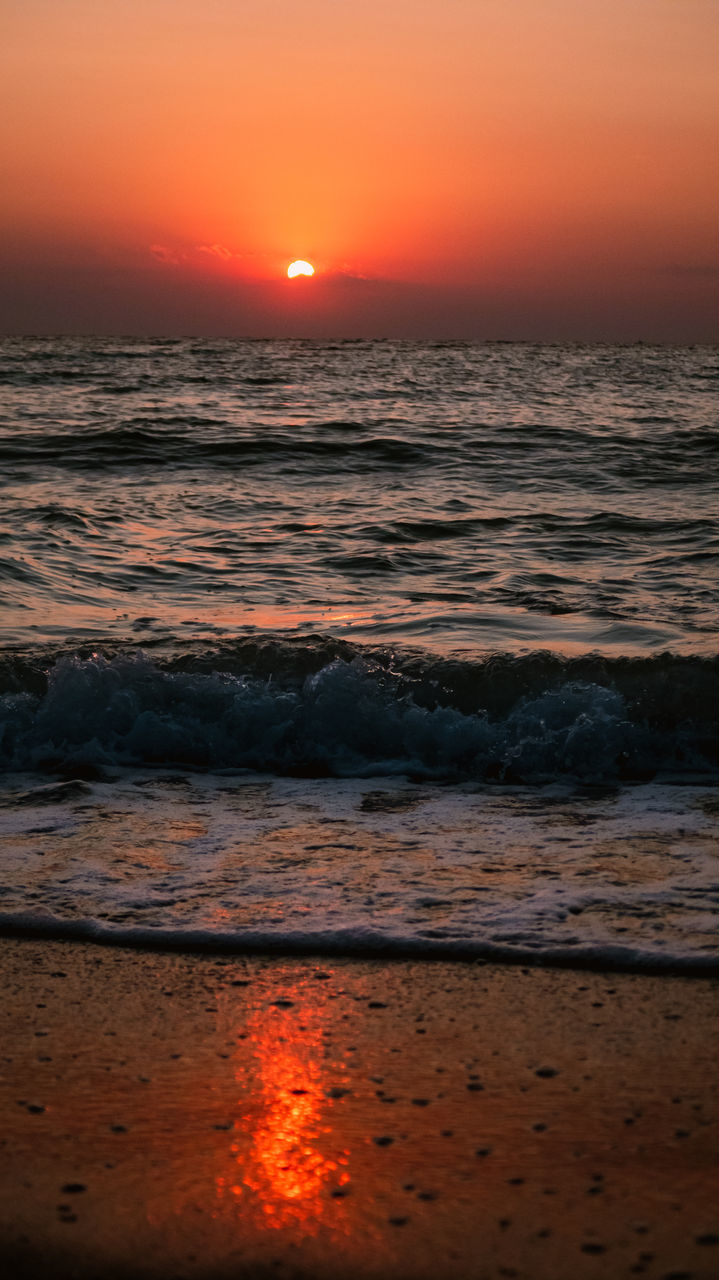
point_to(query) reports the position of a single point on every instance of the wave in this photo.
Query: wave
(321, 707)
(361, 943)
(202, 442)
(256, 426)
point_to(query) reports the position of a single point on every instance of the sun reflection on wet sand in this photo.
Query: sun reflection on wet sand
(285, 1158)
(259, 1116)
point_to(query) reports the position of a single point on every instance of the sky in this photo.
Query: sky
(521, 169)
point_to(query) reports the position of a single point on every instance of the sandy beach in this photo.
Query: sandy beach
(197, 1116)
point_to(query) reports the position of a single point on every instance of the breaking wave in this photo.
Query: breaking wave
(321, 707)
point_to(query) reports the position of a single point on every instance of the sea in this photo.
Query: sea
(371, 648)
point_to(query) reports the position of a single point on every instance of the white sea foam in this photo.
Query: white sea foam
(604, 877)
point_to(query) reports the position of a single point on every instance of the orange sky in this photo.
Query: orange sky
(479, 168)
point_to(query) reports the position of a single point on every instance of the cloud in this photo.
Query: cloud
(343, 275)
(174, 256)
(220, 251)
(163, 253)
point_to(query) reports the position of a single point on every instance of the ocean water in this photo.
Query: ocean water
(369, 647)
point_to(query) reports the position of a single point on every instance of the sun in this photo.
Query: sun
(300, 268)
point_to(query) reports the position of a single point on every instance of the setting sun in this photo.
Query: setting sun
(300, 268)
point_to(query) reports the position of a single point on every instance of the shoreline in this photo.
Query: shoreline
(187, 1115)
(339, 947)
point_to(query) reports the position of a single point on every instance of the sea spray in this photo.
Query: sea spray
(363, 713)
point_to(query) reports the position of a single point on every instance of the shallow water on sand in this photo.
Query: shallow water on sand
(601, 876)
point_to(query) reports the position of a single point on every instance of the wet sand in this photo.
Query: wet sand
(180, 1116)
